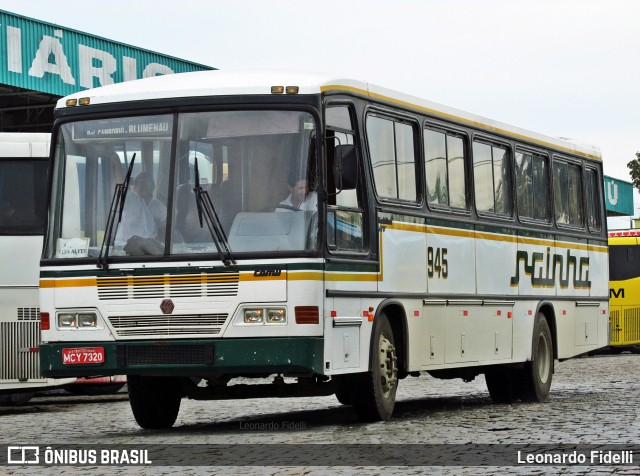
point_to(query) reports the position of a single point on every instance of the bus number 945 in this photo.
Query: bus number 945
(437, 263)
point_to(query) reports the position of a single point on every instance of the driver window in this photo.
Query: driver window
(345, 214)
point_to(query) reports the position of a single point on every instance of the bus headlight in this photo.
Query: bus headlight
(269, 315)
(276, 316)
(253, 316)
(75, 320)
(87, 319)
(67, 320)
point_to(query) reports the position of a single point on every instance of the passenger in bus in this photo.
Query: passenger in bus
(143, 217)
(300, 197)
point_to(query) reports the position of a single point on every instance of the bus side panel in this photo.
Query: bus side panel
(624, 291)
(402, 254)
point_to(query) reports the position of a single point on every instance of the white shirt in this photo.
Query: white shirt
(139, 218)
(309, 204)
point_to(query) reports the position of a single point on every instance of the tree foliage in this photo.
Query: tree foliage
(634, 171)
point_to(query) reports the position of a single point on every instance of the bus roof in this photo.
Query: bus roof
(241, 82)
(24, 144)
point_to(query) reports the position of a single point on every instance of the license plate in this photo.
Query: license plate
(83, 355)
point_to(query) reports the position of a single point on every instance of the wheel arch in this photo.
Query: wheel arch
(397, 317)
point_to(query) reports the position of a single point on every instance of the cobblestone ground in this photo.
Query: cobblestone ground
(594, 400)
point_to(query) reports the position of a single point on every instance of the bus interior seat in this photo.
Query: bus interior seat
(229, 202)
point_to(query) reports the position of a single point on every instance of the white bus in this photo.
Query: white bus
(24, 158)
(24, 161)
(326, 234)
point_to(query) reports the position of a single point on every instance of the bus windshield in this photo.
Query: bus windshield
(255, 167)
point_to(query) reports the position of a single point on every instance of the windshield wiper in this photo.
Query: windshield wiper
(116, 207)
(207, 213)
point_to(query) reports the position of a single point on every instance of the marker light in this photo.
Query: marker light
(71, 102)
(307, 315)
(277, 89)
(292, 89)
(84, 101)
(45, 323)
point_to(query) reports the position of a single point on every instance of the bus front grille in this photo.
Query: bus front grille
(173, 354)
(168, 286)
(167, 325)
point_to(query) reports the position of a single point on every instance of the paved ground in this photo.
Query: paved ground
(594, 401)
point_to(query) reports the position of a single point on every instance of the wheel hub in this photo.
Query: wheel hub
(388, 366)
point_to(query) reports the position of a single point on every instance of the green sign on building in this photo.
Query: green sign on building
(48, 58)
(618, 196)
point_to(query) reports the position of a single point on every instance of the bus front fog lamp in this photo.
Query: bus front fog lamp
(253, 316)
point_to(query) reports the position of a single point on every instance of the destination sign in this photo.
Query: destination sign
(149, 126)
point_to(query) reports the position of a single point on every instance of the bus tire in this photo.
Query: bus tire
(537, 374)
(155, 401)
(375, 391)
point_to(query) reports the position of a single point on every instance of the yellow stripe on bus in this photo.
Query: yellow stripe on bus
(68, 283)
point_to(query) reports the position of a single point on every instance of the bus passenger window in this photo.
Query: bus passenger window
(391, 145)
(532, 186)
(491, 175)
(445, 169)
(567, 194)
(594, 219)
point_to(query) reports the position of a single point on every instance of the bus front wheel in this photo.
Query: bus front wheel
(155, 401)
(376, 389)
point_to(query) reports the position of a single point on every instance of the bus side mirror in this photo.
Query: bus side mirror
(345, 168)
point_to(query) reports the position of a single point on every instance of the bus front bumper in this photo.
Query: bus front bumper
(198, 357)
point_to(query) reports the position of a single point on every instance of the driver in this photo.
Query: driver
(143, 216)
(300, 198)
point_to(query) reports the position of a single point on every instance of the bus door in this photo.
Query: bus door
(350, 267)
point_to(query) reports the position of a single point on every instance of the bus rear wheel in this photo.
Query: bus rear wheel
(532, 382)
(155, 401)
(375, 391)
(537, 374)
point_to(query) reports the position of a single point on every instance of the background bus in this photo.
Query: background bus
(429, 240)
(24, 160)
(624, 290)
